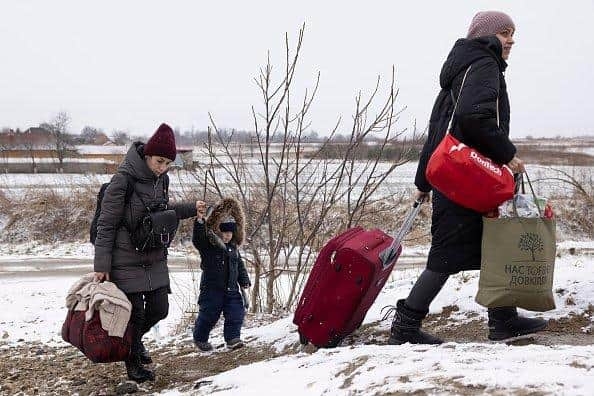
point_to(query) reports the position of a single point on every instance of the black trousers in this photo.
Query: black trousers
(425, 290)
(148, 308)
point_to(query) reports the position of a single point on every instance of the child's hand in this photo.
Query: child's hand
(201, 209)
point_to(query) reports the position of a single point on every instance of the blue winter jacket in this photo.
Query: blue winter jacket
(221, 264)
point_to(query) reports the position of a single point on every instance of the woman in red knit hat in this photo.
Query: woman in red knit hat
(129, 253)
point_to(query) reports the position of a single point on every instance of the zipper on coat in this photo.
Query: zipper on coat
(497, 110)
(146, 271)
(155, 187)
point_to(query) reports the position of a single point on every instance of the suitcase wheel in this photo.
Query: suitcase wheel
(333, 343)
(302, 339)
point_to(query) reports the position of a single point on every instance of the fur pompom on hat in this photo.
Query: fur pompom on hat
(489, 23)
(162, 143)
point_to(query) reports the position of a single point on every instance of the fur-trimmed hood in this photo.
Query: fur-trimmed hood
(227, 207)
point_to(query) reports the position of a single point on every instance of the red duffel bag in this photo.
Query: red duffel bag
(467, 177)
(93, 341)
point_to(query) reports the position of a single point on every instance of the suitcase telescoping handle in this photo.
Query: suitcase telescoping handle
(390, 253)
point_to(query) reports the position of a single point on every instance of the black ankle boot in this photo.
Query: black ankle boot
(504, 323)
(143, 354)
(406, 327)
(136, 372)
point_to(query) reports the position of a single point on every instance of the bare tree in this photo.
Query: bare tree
(6, 144)
(63, 142)
(120, 138)
(30, 146)
(89, 134)
(295, 202)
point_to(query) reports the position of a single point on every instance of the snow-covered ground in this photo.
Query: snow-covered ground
(400, 181)
(452, 367)
(380, 369)
(33, 310)
(34, 306)
(70, 250)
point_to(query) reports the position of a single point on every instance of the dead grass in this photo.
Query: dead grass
(38, 369)
(48, 216)
(577, 216)
(551, 156)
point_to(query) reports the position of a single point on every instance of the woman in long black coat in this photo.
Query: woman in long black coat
(143, 275)
(481, 120)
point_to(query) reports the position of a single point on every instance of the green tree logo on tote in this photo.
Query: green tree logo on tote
(531, 242)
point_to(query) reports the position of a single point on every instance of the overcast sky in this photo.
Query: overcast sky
(133, 64)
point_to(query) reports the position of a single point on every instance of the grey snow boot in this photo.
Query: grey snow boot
(505, 323)
(406, 327)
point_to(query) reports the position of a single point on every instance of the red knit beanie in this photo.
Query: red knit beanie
(162, 143)
(489, 23)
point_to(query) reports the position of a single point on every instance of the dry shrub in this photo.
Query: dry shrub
(575, 216)
(48, 215)
(575, 210)
(61, 214)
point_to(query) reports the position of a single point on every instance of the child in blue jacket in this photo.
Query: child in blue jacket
(217, 239)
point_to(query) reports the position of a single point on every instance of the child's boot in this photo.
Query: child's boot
(235, 343)
(204, 346)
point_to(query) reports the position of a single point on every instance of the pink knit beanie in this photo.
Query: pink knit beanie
(489, 23)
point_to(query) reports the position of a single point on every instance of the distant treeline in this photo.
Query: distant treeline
(92, 135)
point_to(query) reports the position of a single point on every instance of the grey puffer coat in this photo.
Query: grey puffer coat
(130, 270)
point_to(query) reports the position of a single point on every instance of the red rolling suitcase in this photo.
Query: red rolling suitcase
(345, 280)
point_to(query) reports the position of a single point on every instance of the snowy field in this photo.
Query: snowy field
(33, 310)
(399, 182)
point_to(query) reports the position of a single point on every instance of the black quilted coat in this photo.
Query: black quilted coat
(481, 121)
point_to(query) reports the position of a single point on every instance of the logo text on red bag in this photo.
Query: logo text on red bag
(485, 163)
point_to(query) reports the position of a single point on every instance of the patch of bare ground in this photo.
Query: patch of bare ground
(564, 331)
(38, 369)
(349, 371)
(453, 386)
(42, 370)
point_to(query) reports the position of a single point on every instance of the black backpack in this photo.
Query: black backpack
(129, 190)
(155, 230)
